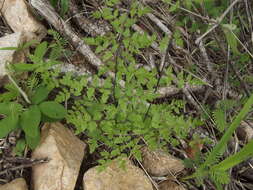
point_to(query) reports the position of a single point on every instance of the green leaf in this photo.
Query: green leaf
(220, 119)
(7, 125)
(45, 119)
(54, 3)
(24, 67)
(107, 55)
(30, 121)
(9, 48)
(41, 94)
(20, 147)
(10, 108)
(164, 44)
(53, 110)
(32, 141)
(11, 94)
(64, 7)
(29, 43)
(174, 7)
(41, 50)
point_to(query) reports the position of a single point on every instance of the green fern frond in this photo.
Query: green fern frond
(58, 38)
(220, 119)
(219, 176)
(227, 104)
(32, 81)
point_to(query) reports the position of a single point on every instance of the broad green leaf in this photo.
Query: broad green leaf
(45, 119)
(30, 121)
(41, 94)
(53, 110)
(41, 50)
(10, 108)
(7, 125)
(32, 141)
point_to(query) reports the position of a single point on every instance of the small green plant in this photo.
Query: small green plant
(217, 172)
(29, 112)
(121, 117)
(28, 118)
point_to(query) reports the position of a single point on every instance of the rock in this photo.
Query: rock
(116, 178)
(245, 131)
(19, 17)
(17, 184)
(159, 163)
(11, 40)
(170, 185)
(65, 153)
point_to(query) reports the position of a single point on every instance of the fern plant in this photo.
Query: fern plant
(120, 117)
(217, 172)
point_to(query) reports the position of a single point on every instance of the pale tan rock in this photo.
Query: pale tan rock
(20, 19)
(116, 178)
(65, 153)
(170, 185)
(159, 163)
(8, 56)
(245, 131)
(17, 184)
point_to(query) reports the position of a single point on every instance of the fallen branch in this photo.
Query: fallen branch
(34, 162)
(92, 28)
(48, 12)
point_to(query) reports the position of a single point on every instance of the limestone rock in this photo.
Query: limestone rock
(245, 131)
(116, 178)
(65, 153)
(159, 163)
(19, 17)
(12, 40)
(170, 185)
(17, 184)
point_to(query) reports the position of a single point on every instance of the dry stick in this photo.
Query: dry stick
(48, 12)
(165, 29)
(149, 177)
(19, 89)
(160, 24)
(218, 21)
(85, 23)
(24, 166)
(209, 68)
